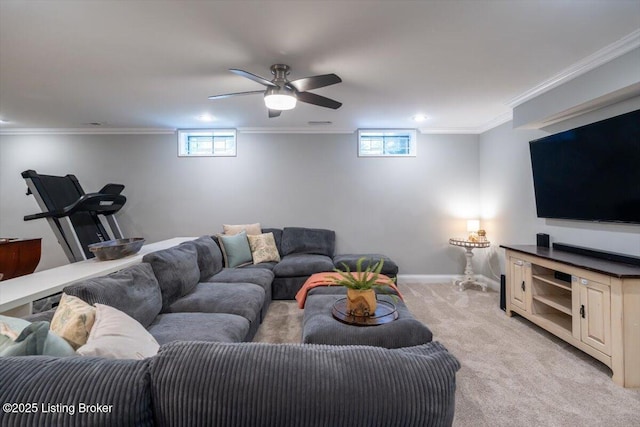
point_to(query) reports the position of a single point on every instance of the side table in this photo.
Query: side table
(468, 278)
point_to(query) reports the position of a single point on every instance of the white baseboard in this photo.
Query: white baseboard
(445, 278)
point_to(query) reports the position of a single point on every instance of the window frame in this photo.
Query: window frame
(411, 133)
(184, 134)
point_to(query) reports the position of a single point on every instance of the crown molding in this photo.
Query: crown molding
(475, 130)
(84, 131)
(595, 60)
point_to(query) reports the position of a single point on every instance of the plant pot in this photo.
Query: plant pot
(361, 303)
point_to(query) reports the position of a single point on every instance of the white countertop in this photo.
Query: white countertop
(25, 289)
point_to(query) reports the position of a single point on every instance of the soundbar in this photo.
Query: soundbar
(609, 256)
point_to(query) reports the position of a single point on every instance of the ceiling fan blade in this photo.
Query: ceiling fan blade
(274, 113)
(227, 95)
(312, 98)
(315, 82)
(253, 77)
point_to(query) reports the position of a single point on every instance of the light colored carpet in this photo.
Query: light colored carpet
(513, 373)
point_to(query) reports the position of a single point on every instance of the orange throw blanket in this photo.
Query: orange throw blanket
(326, 279)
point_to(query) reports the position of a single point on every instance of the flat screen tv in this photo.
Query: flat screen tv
(590, 173)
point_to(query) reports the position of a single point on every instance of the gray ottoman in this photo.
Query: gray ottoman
(320, 327)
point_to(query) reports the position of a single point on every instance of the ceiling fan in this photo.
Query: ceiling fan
(282, 94)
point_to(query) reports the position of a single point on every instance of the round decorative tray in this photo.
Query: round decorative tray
(385, 312)
(116, 249)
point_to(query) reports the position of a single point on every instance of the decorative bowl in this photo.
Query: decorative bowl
(116, 249)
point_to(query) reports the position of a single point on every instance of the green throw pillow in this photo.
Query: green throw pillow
(235, 249)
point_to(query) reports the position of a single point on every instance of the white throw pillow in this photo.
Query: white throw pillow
(116, 335)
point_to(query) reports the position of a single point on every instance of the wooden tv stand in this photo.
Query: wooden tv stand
(590, 303)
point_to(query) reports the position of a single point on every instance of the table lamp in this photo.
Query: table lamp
(473, 225)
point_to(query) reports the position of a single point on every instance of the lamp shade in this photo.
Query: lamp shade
(280, 101)
(473, 225)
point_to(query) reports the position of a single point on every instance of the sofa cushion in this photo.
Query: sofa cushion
(308, 241)
(263, 248)
(121, 387)
(213, 327)
(303, 385)
(177, 271)
(35, 339)
(73, 320)
(235, 249)
(209, 256)
(133, 290)
(258, 276)
(389, 267)
(263, 265)
(302, 265)
(243, 299)
(115, 335)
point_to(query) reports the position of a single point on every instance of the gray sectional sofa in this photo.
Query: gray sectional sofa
(204, 374)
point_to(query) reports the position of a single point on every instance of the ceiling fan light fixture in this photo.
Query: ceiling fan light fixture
(280, 101)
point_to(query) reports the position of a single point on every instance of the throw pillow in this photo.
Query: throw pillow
(251, 229)
(235, 250)
(115, 335)
(263, 248)
(73, 320)
(35, 340)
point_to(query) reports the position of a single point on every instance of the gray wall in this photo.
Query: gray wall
(404, 207)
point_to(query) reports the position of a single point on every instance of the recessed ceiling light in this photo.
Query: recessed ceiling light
(419, 118)
(206, 117)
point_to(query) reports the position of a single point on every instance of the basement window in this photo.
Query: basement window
(207, 143)
(386, 143)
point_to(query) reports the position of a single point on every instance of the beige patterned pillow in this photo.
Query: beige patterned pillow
(73, 320)
(263, 248)
(251, 229)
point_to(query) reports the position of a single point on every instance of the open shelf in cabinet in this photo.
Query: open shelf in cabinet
(559, 302)
(552, 295)
(551, 280)
(559, 319)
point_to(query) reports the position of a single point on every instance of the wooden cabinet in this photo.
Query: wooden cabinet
(595, 309)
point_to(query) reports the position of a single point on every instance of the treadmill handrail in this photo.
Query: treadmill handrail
(92, 202)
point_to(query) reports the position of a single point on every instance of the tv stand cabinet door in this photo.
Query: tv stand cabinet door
(595, 315)
(519, 283)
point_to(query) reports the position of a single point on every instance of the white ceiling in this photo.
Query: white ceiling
(151, 64)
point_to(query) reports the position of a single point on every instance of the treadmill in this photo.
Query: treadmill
(74, 216)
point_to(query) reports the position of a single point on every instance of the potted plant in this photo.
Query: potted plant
(361, 285)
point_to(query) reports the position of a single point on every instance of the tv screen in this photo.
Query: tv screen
(590, 173)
